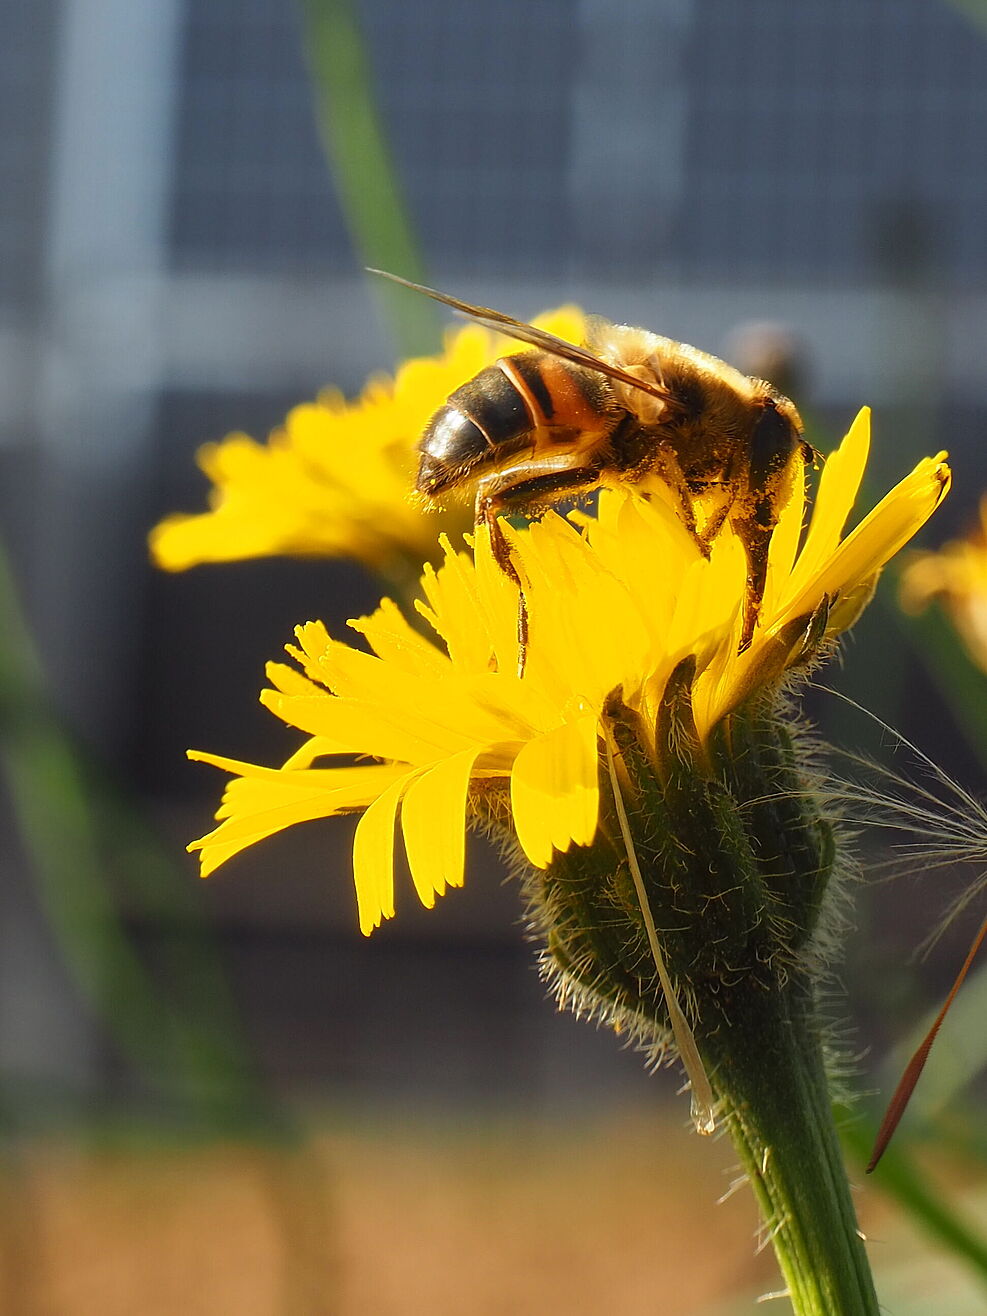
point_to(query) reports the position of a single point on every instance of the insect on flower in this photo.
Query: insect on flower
(543, 425)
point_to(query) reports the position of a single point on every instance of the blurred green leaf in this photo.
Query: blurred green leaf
(975, 10)
(363, 168)
(900, 1177)
(189, 1052)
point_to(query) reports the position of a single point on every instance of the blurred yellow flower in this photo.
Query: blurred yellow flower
(957, 577)
(616, 602)
(335, 479)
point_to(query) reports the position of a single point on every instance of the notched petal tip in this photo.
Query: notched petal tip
(555, 796)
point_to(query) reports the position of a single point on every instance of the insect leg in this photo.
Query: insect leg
(755, 530)
(535, 483)
(714, 521)
(487, 511)
(777, 457)
(672, 476)
(693, 491)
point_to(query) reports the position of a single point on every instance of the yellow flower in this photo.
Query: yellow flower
(615, 602)
(334, 480)
(957, 576)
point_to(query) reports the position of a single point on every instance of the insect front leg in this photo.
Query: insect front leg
(520, 487)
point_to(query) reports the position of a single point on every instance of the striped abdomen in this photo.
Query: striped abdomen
(530, 402)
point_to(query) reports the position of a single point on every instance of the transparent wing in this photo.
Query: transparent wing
(527, 333)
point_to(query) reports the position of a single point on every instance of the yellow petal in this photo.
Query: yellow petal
(458, 611)
(555, 790)
(433, 820)
(334, 664)
(262, 801)
(360, 727)
(313, 748)
(373, 857)
(708, 599)
(289, 681)
(586, 632)
(879, 536)
(394, 640)
(784, 547)
(839, 485)
(847, 609)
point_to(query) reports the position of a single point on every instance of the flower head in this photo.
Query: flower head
(334, 479)
(622, 605)
(957, 576)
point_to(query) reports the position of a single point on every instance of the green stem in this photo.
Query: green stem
(765, 1056)
(189, 1053)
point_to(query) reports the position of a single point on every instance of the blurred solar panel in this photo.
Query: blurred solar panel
(25, 90)
(823, 133)
(811, 134)
(475, 117)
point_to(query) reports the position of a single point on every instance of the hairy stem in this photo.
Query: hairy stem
(765, 1056)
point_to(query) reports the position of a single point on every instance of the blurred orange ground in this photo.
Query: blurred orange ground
(372, 1219)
